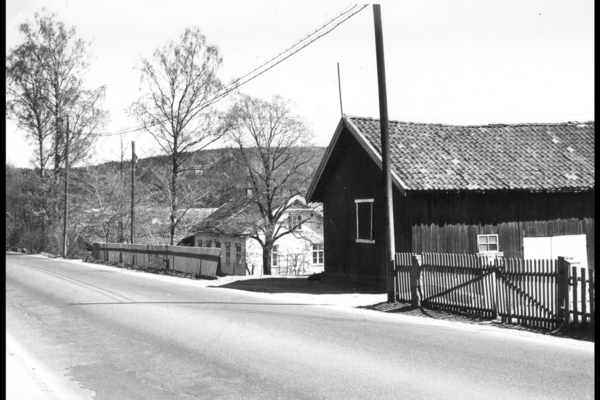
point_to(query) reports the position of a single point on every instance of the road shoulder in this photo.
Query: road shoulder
(28, 379)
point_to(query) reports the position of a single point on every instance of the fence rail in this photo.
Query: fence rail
(198, 261)
(540, 293)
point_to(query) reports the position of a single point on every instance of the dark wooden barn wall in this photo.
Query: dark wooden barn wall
(450, 223)
(356, 176)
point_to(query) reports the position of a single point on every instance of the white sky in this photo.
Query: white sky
(453, 62)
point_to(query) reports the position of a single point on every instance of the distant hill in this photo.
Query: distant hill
(215, 168)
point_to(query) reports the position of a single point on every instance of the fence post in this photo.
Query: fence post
(575, 292)
(494, 296)
(562, 295)
(416, 294)
(592, 296)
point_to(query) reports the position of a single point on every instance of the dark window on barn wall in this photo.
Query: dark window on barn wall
(364, 221)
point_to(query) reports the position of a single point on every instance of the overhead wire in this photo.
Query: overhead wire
(236, 83)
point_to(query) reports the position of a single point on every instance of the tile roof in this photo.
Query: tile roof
(231, 218)
(238, 215)
(533, 157)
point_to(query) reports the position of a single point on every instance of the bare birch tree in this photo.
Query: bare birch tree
(275, 147)
(178, 84)
(44, 77)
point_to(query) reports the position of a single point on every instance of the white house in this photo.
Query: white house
(300, 251)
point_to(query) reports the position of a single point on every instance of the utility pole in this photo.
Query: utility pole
(340, 88)
(121, 234)
(132, 191)
(385, 158)
(64, 249)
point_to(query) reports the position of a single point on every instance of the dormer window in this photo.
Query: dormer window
(295, 222)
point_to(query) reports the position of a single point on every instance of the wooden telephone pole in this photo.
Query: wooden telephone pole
(132, 191)
(66, 214)
(385, 158)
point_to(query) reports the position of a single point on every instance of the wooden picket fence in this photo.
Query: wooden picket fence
(538, 293)
(198, 261)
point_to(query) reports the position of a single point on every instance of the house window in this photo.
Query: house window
(295, 222)
(487, 243)
(199, 244)
(217, 244)
(318, 255)
(364, 221)
(208, 243)
(275, 258)
(227, 253)
(238, 253)
(319, 225)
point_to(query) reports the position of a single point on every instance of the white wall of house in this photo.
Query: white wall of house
(293, 254)
(229, 263)
(294, 251)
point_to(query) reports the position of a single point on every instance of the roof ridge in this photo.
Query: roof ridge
(499, 124)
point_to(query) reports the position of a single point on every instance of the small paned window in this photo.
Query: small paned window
(238, 253)
(319, 225)
(199, 244)
(364, 221)
(487, 243)
(318, 255)
(227, 253)
(208, 243)
(217, 244)
(275, 257)
(295, 222)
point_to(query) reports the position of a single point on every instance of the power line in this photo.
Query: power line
(218, 97)
(346, 14)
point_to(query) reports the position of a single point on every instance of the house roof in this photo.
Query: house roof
(228, 219)
(238, 215)
(429, 157)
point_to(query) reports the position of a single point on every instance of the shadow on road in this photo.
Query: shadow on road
(302, 285)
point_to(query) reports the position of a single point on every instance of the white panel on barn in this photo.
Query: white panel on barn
(537, 248)
(570, 246)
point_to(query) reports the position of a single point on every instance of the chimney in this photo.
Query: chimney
(248, 193)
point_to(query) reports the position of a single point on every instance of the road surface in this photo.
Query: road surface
(105, 333)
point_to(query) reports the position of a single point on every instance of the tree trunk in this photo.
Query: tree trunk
(267, 253)
(174, 176)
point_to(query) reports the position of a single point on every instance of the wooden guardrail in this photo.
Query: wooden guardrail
(198, 261)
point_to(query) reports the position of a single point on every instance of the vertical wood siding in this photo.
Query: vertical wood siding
(433, 222)
(440, 224)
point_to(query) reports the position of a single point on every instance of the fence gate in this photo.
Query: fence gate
(538, 293)
(527, 292)
(458, 282)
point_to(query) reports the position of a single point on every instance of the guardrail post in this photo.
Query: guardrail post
(96, 251)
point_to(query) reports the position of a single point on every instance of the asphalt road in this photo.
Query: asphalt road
(104, 333)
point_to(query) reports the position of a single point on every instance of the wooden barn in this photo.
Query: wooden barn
(518, 191)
